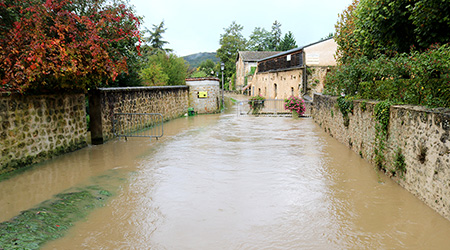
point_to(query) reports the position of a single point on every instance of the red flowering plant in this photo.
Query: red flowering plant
(64, 44)
(295, 104)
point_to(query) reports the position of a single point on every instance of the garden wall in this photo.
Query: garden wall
(35, 128)
(418, 134)
(170, 101)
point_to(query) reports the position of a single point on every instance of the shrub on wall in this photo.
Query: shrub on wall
(421, 78)
(256, 103)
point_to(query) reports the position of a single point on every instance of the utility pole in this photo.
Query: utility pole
(222, 67)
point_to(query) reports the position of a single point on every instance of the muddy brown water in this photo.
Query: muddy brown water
(228, 182)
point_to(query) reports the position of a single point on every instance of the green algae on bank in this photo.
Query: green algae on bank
(51, 219)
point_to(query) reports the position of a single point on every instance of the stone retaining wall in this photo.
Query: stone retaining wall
(35, 128)
(422, 136)
(171, 101)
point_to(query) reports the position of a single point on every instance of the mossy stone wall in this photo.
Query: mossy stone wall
(420, 134)
(37, 127)
(170, 101)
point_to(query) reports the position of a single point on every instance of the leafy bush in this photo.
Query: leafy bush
(256, 103)
(295, 104)
(421, 78)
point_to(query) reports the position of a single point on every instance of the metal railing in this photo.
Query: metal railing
(268, 107)
(148, 125)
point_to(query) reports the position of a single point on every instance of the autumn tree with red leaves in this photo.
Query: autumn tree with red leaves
(62, 44)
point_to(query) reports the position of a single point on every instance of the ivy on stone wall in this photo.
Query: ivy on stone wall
(382, 115)
(345, 106)
(399, 163)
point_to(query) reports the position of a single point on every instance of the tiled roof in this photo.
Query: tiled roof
(253, 56)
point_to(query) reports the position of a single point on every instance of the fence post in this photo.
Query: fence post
(95, 113)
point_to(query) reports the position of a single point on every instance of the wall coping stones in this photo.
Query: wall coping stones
(136, 89)
(196, 79)
(203, 83)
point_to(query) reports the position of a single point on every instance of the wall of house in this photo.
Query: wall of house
(211, 86)
(422, 135)
(170, 101)
(288, 82)
(242, 70)
(240, 74)
(36, 128)
(321, 54)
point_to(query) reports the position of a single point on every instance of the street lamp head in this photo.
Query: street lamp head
(222, 66)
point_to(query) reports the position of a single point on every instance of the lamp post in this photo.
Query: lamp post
(222, 67)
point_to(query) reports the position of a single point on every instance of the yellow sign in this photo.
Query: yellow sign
(202, 94)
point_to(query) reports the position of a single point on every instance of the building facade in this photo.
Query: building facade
(297, 72)
(245, 61)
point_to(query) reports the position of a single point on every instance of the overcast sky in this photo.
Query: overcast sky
(196, 25)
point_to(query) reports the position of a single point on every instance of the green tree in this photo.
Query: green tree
(231, 42)
(288, 42)
(372, 28)
(431, 19)
(384, 27)
(345, 34)
(259, 40)
(153, 75)
(154, 42)
(175, 68)
(207, 67)
(330, 35)
(275, 36)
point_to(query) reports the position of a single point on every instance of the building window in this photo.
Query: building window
(259, 91)
(275, 91)
(292, 91)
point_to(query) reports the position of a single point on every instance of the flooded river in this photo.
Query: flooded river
(229, 182)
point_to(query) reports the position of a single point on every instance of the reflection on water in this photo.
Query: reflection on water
(228, 182)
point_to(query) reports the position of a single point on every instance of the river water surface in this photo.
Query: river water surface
(229, 182)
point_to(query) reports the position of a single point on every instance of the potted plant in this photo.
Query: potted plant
(256, 103)
(296, 105)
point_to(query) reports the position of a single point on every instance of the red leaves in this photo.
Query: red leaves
(50, 42)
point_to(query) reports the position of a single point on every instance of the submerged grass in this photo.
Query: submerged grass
(51, 219)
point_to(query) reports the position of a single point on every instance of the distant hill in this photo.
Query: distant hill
(194, 60)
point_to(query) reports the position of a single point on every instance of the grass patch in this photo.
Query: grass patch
(51, 219)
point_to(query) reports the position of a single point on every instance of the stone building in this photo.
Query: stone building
(297, 72)
(245, 61)
(204, 94)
